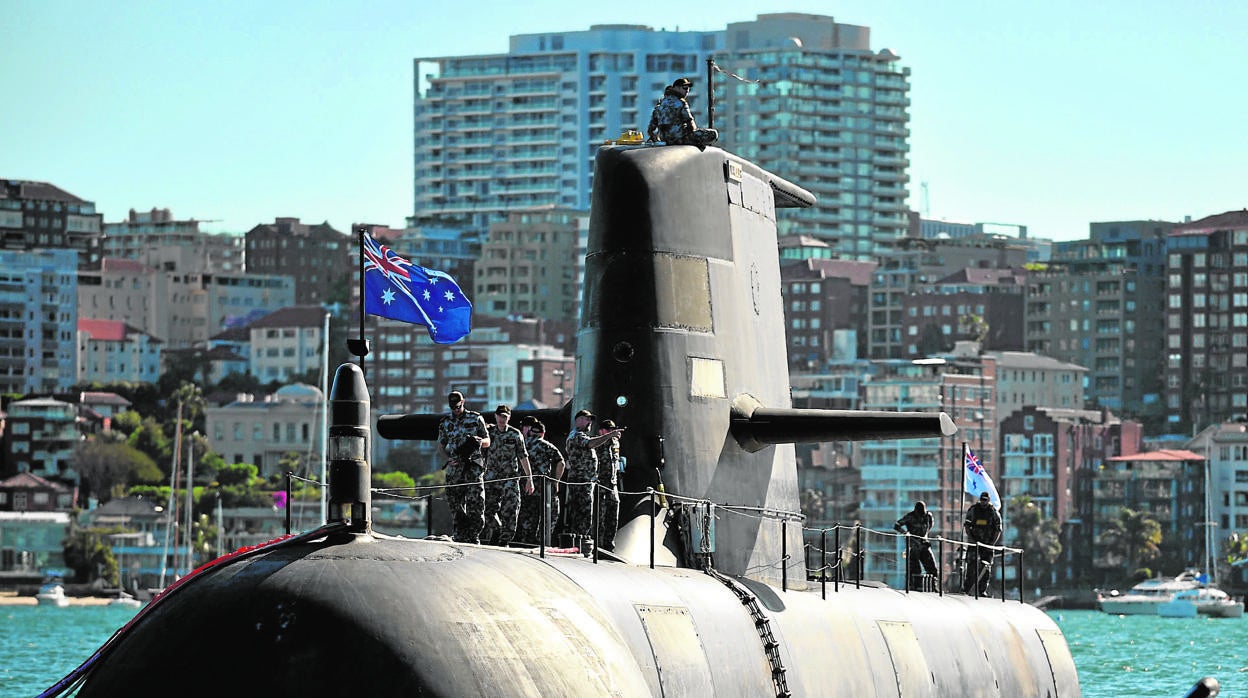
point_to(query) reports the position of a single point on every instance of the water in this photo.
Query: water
(1138, 656)
(41, 644)
(1151, 656)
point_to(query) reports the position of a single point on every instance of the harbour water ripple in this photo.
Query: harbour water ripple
(1147, 656)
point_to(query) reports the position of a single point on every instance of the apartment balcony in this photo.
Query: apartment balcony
(899, 206)
(527, 189)
(888, 191)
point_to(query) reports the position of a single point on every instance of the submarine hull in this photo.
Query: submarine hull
(388, 617)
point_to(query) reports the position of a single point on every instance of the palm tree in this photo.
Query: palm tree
(1038, 536)
(1134, 537)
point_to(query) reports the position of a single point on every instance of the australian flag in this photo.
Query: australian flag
(978, 481)
(397, 289)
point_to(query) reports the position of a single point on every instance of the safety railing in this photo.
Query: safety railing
(843, 563)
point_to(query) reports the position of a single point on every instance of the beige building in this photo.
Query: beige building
(261, 432)
(532, 265)
(1026, 378)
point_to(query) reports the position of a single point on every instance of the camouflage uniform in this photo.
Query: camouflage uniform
(608, 495)
(467, 501)
(502, 489)
(544, 459)
(674, 124)
(582, 472)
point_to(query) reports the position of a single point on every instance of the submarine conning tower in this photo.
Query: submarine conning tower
(682, 282)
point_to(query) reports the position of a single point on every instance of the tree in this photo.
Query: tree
(191, 397)
(107, 468)
(812, 504)
(1039, 537)
(393, 481)
(974, 326)
(1134, 537)
(127, 422)
(239, 383)
(89, 555)
(150, 438)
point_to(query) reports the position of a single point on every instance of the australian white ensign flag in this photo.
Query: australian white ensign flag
(978, 481)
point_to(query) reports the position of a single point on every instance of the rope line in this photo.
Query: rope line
(721, 71)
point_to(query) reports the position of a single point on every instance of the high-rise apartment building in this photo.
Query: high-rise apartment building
(1097, 306)
(38, 215)
(38, 320)
(502, 132)
(1206, 322)
(818, 107)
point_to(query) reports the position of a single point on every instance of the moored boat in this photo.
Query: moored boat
(1145, 598)
(1212, 601)
(52, 594)
(126, 600)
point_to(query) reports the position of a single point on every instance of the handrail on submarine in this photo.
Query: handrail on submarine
(851, 572)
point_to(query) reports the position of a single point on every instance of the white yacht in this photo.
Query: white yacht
(1208, 601)
(1144, 598)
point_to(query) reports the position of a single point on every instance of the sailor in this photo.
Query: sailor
(461, 436)
(548, 466)
(504, 460)
(671, 121)
(582, 473)
(917, 523)
(983, 527)
(608, 494)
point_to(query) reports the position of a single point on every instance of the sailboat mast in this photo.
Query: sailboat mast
(190, 492)
(1210, 568)
(171, 519)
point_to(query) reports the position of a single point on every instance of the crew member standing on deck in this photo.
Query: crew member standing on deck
(983, 527)
(608, 495)
(548, 466)
(504, 460)
(583, 473)
(461, 436)
(918, 523)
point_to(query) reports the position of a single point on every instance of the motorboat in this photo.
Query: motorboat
(52, 594)
(1209, 601)
(125, 600)
(1145, 598)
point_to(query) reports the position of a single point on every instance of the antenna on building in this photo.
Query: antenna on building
(924, 203)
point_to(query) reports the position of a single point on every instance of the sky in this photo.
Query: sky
(1047, 114)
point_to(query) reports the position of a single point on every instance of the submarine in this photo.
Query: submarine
(682, 340)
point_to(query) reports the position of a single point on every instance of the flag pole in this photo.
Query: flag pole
(359, 347)
(963, 492)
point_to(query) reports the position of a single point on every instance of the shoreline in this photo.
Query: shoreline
(11, 598)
